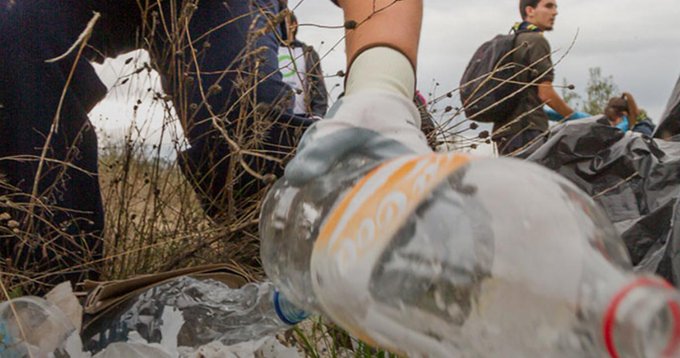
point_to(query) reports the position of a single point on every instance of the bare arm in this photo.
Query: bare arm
(396, 24)
(547, 94)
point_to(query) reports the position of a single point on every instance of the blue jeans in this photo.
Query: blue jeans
(69, 210)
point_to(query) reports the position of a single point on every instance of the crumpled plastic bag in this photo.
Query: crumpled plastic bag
(138, 347)
(669, 123)
(134, 350)
(267, 347)
(634, 178)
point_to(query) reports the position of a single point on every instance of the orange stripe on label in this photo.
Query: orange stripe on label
(377, 206)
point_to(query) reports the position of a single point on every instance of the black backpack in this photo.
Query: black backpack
(490, 80)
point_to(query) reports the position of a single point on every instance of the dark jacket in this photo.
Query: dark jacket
(316, 96)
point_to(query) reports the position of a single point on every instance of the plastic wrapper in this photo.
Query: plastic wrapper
(636, 180)
(187, 312)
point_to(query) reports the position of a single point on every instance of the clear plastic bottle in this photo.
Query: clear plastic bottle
(188, 312)
(448, 256)
(289, 225)
(33, 327)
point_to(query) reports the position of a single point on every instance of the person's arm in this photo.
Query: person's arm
(316, 85)
(392, 24)
(376, 117)
(547, 94)
(633, 110)
(543, 73)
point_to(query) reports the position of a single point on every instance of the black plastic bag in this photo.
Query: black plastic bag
(670, 121)
(635, 178)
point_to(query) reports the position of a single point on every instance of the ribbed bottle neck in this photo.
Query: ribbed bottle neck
(642, 319)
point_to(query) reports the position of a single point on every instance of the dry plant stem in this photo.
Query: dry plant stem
(28, 158)
(517, 92)
(125, 254)
(250, 92)
(613, 187)
(27, 279)
(516, 135)
(234, 146)
(497, 68)
(535, 82)
(174, 263)
(83, 38)
(153, 215)
(207, 33)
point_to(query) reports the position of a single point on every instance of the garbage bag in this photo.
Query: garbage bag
(669, 124)
(635, 179)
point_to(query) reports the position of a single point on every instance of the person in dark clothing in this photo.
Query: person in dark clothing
(644, 124)
(528, 120)
(218, 64)
(301, 69)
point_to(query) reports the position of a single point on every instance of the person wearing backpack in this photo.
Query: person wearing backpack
(528, 120)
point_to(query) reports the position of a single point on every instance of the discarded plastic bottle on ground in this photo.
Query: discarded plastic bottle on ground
(188, 312)
(32, 327)
(446, 255)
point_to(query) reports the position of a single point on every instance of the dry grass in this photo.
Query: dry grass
(154, 221)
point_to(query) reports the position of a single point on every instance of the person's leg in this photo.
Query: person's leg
(230, 98)
(52, 194)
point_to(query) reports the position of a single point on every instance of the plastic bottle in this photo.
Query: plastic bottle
(448, 256)
(32, 327)
(187, 312)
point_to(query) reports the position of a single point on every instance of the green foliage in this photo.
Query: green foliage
(600, 89)
(598, 92)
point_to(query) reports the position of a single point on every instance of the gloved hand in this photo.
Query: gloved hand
(578, 115)
(376, 118)
(554, 116)
(624, 125)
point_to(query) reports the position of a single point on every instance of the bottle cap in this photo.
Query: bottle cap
(609, 319)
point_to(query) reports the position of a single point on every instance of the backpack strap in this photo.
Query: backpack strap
(524, 26)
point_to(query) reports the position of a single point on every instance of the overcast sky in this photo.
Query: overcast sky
(636, 42)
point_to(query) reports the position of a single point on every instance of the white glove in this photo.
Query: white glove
(376, 118)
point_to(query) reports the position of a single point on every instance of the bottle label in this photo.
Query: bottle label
(357, 230)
